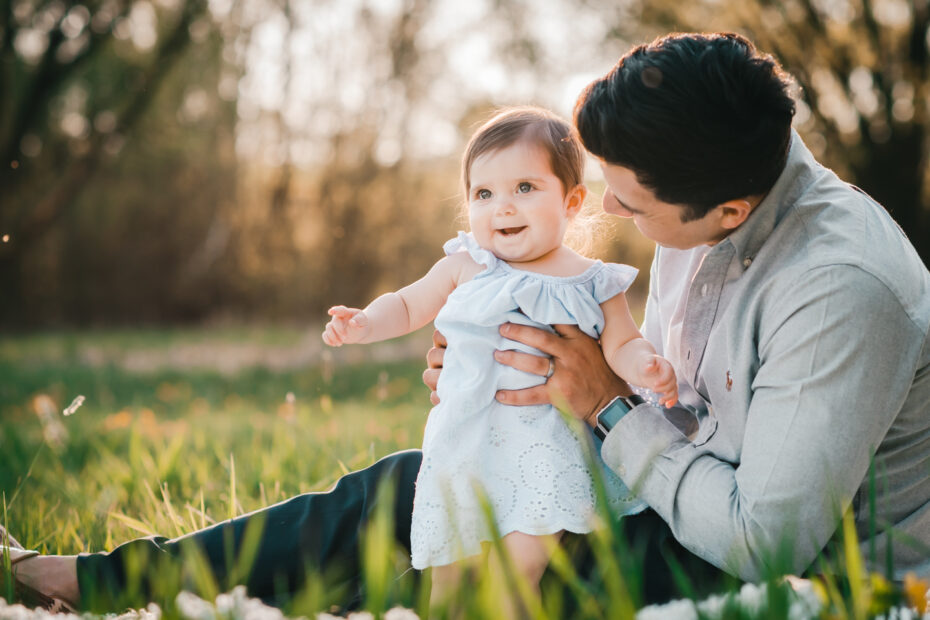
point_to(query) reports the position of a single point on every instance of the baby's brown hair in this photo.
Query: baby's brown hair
(536, 126)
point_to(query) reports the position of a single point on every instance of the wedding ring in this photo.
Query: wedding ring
(551, 368)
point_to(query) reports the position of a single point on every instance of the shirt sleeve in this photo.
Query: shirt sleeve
(836, 359)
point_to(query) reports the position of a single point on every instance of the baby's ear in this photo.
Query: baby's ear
(574, 199)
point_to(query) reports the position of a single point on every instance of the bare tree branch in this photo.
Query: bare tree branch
(64, 193)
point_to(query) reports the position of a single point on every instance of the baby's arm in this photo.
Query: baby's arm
(631, 356)
(401, 312)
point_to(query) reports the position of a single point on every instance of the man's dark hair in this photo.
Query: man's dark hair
(699, 118)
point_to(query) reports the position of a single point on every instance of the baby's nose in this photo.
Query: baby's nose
(505, 206)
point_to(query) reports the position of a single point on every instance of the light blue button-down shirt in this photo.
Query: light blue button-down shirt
(802, 342)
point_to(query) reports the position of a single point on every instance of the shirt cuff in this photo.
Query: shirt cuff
(639, 438)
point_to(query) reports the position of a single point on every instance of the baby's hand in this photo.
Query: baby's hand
(660, 378)
(348, 326)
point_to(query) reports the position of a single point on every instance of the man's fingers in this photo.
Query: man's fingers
(435, 357)
(537, 395)
(567, 331)
(533, 336)
(431, 377)
(527, 362)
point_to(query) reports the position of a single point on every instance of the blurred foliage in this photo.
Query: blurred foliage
(109, 170)
(168, 161)
(150, 175)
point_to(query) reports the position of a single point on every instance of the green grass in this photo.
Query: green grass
(171, 449)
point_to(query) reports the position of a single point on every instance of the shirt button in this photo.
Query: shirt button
(704, 290)
(747, 262)
(621, 470)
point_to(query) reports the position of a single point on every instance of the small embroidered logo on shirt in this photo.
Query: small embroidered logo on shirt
(729, 381)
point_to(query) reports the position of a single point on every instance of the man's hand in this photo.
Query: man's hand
(582, 380)
(434, 359)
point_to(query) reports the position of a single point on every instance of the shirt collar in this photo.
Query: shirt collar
(799, 172)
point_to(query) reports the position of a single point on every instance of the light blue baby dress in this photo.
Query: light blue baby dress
(526, 461)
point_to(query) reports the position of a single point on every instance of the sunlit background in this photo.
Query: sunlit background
(168, 161)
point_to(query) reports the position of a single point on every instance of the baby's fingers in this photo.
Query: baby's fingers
(668, 402)
(330, 336)
(342, 312)
(669, 398)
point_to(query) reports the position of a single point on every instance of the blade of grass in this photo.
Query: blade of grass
(232, 486)
(169, 507)
(855, 570)
(135, 524)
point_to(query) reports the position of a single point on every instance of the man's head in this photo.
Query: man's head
(699, 119)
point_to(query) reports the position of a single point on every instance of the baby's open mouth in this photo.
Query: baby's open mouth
(511, 231)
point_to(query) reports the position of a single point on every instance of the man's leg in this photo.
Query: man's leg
(655, 567)
(669, 571)
(308, 534)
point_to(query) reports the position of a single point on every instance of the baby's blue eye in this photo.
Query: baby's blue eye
(483, 194)
(524, 188)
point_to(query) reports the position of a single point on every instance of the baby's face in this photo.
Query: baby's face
(517, 207)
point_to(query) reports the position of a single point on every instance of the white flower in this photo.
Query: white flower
(192, 607)
(676, 610)
(74, 406)
(751, 600)
(236, 605)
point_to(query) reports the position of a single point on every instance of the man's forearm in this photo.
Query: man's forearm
(789, 437)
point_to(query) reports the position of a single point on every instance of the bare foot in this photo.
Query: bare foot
(52, 575)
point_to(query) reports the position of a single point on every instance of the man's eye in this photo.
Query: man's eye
(483, 194)
(524, 188)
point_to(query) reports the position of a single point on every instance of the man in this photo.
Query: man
(794, 309)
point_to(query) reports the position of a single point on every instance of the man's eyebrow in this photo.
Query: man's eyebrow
(624, 206)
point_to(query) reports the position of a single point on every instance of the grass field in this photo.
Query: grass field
(167, 446)
(179, 429)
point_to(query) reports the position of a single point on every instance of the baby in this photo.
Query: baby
(522, 173)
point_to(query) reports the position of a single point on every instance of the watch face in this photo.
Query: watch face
(612, 413)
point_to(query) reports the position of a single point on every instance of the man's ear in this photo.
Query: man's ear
(734, 212)
(574, 199)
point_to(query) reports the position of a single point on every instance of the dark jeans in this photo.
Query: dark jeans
(318, 534)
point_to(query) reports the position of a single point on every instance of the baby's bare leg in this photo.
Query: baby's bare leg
(446, 581)
(528, 555)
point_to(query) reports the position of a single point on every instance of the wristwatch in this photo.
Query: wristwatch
(608, 417)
